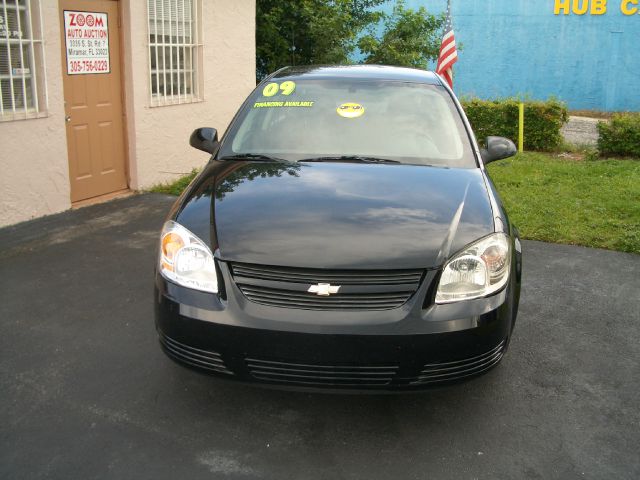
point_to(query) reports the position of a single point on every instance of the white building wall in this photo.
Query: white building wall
(34, 172)
(159, 136)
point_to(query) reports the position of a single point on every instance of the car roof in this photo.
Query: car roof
(370, 72)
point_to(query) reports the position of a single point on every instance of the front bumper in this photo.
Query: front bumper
(405, 348)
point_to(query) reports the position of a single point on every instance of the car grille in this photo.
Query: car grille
(359, 289)
(206, 359)
(328, 375)
(286, 298)
(455, 370)
(339, 277)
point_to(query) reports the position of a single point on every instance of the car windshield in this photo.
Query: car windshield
(351, 120)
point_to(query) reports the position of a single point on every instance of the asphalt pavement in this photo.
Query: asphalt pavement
(87, 393)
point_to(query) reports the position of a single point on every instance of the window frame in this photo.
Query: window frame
(38, 107)
(193, 49)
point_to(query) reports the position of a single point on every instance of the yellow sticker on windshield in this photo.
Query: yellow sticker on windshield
(350, 110)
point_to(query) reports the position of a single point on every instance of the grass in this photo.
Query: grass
(555, 199)
(176, 187)
(590, 203)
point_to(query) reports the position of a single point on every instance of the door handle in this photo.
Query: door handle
(67, 118)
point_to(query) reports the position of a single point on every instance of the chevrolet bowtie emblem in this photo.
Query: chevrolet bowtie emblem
(324, 289)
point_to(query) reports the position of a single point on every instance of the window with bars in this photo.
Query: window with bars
(22, 81)
(175, 51)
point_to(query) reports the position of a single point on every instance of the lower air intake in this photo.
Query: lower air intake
(206, 359)
(459, 369)
(324, 375)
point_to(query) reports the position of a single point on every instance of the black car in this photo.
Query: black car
(344, 235)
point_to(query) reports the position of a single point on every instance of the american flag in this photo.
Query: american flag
(448, 52)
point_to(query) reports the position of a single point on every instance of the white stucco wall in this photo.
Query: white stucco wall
(159, 136)
(34, 172)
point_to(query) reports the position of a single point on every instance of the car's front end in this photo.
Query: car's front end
(345, 275)
(279, 341)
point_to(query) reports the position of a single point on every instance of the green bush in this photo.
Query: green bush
(620, 136)
(542, 121)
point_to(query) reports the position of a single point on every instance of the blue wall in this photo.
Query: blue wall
(513, 47)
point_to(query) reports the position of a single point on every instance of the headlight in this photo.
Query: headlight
(186, 260)
(477, 271)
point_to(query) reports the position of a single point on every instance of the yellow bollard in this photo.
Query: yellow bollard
(521, 129)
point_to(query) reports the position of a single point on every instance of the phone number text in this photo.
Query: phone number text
(88, 66)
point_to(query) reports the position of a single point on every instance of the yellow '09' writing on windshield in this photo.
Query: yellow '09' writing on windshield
(286, 88)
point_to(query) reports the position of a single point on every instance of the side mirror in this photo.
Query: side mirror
(205, 139)
(497, 149)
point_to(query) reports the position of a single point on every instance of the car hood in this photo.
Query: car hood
(337, 215)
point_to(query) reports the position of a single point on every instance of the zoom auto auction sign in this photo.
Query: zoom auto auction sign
(87, 42)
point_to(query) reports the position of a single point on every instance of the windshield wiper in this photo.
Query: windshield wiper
(350, 158)
(253, 156)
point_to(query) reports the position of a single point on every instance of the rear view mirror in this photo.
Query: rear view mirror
(205, 139)
(497, 149)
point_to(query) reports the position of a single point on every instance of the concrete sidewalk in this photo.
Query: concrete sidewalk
(87, 393)
(581, 131)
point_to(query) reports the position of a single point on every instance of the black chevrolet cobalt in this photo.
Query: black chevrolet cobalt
(344, 235)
